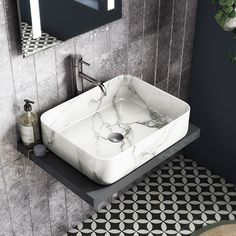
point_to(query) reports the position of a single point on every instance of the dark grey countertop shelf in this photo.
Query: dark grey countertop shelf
(93, 193)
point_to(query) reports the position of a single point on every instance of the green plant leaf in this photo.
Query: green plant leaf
(226, 2)
(221, 18)
(232, 14)
(228, 9)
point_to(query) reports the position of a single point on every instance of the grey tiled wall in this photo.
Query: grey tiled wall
(153, 41)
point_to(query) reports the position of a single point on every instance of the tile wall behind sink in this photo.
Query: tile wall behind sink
(153, 41)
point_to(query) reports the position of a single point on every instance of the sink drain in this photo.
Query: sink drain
(116, 137)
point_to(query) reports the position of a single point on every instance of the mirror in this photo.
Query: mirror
(45, 23)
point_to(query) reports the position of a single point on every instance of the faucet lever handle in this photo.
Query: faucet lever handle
(83, 62)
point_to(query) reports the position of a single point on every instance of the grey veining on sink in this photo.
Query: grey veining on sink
(78, 130)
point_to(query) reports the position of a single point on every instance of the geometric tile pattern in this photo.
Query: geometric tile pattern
(31, 45)
(177, 199)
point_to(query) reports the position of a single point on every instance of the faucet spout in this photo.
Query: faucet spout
(94, 81)
(103, 88)
(77, 63)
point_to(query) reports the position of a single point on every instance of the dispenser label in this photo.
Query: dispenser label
(27, 134)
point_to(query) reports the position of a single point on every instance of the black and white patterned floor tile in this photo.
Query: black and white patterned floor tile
(175, 200)
(31, 45)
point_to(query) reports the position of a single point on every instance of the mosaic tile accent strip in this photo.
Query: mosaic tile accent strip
(178, 199)
(31, 45)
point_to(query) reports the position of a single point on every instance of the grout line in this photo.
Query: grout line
(182, 56)
(10, 162)
(67, 222)
(29, 205)
(157, 43)
(8, 202)
(170, 49)
(6, 26)
(36, 82)
(49, 215)
(56, 73)
(143, 12)
(143, 18)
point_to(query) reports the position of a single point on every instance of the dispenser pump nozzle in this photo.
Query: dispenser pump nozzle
(27, 106)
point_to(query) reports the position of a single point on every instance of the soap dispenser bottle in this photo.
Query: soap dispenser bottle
(29, 129)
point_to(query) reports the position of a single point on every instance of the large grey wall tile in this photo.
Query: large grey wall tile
(102, 66)
(173, 86)
(6, 228)
(188, 42)
(9, 150)
(189, 33)
(35, 180)
(47, 93)
(63, 52)
(163, 85)
(4, 207)
(18, 198)
(64, 81)
(149, 58)
(135, 58)
(2, 15)
(40, 219)
(52, 184)
(7, 97)
(102, 41)
(45, 64)
(180, 9)
(16, 188)
(176, 49)
(166, 11)
(57, 209)
(23, 72)
(84, 45)
(119, 62)
(74, 208)
(14, 172)
(22, 225)
(163, 53)
(5, 65)
(184, 85)
(151, 16)
(192, 8)
(119, 34)
(136, 11)
(8, 135)
(14, 38)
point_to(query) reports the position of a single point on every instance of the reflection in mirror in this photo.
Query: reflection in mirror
(89, 3)
(35, 18)
(45, 23)
(31, 45)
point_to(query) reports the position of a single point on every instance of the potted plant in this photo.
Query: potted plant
(226, 14)
(226, 18)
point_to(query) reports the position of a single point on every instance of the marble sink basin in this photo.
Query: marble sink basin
(107, 137)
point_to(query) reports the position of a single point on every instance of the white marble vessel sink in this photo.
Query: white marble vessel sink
(80, 131)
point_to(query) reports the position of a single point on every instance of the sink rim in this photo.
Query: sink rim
(120, 77)
(111, 158)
